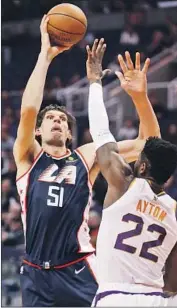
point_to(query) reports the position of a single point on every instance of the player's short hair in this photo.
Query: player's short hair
(162, 157)
(41, 115)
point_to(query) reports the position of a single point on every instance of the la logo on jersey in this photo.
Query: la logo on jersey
(53, 175)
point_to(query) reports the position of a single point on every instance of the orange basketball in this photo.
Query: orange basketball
(67, 24)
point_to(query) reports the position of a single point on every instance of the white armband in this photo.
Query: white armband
(98, 119)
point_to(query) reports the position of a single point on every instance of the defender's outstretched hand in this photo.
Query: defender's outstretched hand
(46, 48)
(94, 61)
(133, 80)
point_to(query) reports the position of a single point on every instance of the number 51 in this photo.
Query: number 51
(55, 195)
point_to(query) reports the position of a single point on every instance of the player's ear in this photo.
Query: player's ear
(143, 168)
(38, 132)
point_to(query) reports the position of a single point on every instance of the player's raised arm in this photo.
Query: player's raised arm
(134, 82)
(25, 145)
(112, 165)
(129, 149)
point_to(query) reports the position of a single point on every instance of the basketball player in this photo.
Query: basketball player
(55, 192)
(138, 228)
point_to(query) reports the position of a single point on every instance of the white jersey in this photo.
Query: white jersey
(136, 235)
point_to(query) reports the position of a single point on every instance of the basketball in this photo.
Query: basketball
(67, 24)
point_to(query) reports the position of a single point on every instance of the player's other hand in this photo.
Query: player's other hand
(46, 49)
(132, 79)
(94, 61)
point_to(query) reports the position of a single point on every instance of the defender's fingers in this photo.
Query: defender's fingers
(89, 53)
(103, 49)
(95, 44)
(99, 47)
(137, 61)
(88, 50)
(129, 61)
(146, 66)
(122, 64)
(106, 72)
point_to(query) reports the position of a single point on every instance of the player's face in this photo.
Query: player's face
(54, 128)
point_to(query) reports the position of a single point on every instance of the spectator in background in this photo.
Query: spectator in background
(7, 141)
(5, 99)
(159, 109)
(113, 65)
(15, 209)
(171, 36)
(129, 37)
(8, 194)
(52, 87)
(157, 43)
(153, 3)
(87, 40)
(142, 4)
(56, 83)
(117, 6)
(5, 164)
(127, 131)
(102, 6)
(137, 17)
(75, 78)
(15, 122)
(12, 233)
(8, 115)
(7, 54)
(171, 133)
(12, 169)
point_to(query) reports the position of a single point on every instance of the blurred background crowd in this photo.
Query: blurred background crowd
(20, 48)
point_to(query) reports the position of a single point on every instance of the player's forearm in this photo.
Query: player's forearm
(99, 128)
(130, 149)
(98, 119)
(33, 94)
(148, 120)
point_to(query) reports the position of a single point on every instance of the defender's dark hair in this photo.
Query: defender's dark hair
(41, 115)
(162, 157)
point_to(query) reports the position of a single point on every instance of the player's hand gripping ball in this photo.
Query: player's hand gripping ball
(67, 24)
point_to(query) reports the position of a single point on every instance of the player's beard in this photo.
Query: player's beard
(135, 171)
(56, 141)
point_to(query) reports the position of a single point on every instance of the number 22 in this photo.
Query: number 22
(137, 231)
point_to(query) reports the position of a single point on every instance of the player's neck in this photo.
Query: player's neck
(154, 186)
(54, 150)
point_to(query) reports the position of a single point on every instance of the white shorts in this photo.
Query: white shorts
(127, 300)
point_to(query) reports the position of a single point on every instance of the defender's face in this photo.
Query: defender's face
(54, 128)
